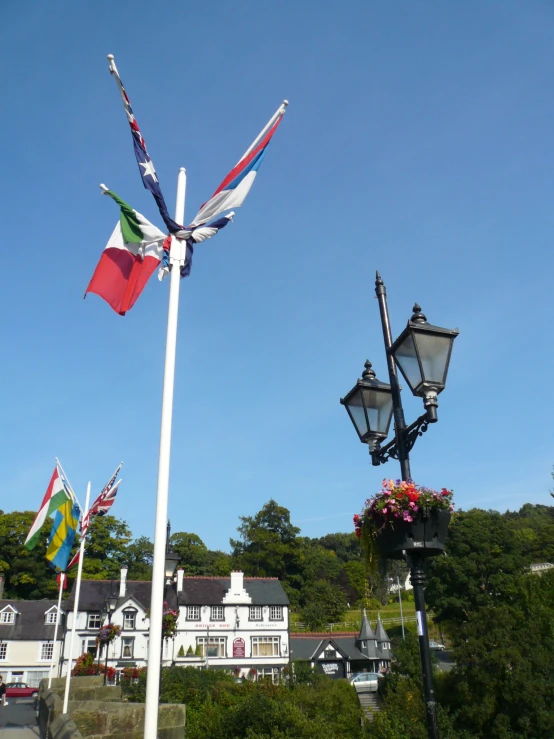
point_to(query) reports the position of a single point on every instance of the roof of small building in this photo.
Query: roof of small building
(29, 623)
(210, 591)
(307, 647)
(380, 632)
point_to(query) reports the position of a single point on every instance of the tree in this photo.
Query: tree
(268, 544)
(27, 574)
(323, 604)
(140, 555)
(483, 558)
(106, 548)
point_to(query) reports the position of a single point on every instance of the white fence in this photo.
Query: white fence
(353, 625)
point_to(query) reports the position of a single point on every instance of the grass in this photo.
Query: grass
(352, 617)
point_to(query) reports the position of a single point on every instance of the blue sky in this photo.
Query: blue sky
(419, 141)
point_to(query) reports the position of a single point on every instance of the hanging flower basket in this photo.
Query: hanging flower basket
(404, 517)
(108, 633)
(169, 621)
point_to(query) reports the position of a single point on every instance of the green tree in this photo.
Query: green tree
(268, 545)
(106, 548)
(323, 603)
(140, 555)
(27, 574)
(483, 558)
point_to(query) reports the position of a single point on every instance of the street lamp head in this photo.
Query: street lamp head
(171, 562)
(369, 405)
(422, 353)
(111, 603)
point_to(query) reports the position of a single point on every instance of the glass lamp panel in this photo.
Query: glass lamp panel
(356, 410)
(406, 357)
(171, 562)
(434, 351)
(379, 409)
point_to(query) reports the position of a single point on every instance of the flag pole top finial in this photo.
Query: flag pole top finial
(103, 188)
(111, 57)
(285, 103)
(182, 169)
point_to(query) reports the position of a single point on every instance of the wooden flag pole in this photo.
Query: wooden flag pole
(75, 607)
(52, 664)
(177, 259)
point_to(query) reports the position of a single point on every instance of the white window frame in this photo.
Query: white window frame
(3, 650)
(96, 618)
(217, 642)
(131, 614)
(273, 672)
(7, 616)
(263, 641)
(46, 651)
(51, 617)
(127, 641)
(275, 613)
(214, 610)
(252, 610)
(193, 613)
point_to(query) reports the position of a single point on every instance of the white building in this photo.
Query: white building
(233, 623)
(27, 640)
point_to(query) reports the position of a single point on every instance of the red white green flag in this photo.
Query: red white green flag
(55, 496)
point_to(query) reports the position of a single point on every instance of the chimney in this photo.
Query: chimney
(237, 583)
(180, 575)
(123, 582)
(1, 587)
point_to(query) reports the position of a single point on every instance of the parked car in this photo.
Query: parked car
(20, 690)
(365, 682)
(436, 645)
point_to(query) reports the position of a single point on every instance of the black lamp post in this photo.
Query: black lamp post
(171, 562)
(422, 353)
(109, 607)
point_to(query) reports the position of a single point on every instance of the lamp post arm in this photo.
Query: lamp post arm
(399, 421)
(410, 435)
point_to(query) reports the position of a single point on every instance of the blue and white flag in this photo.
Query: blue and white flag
(146, 165)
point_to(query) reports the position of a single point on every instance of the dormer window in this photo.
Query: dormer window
(330, 653)
(7, 616)
(51, 617)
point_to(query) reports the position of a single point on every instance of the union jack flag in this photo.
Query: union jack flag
(103, 503)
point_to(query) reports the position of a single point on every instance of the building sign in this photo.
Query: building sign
(330, 668)
(238, 648)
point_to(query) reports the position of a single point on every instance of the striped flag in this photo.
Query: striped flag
(62, 536)
(236, 186)
(103, 503)
(55, 496)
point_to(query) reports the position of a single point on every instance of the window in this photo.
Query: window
(129, 620)
(330, 653)
(88, 645)
(265, 646)
(255, 613)
(51, 617)
(193, 613)
(7, 617)
(47, 650)
(212, 647)
(275, 613)
(3, 650)
(217, 613)
(94, 621)
(127, 643)
(269, 674)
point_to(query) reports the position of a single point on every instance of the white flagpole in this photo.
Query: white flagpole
(62, 580)
(67, 480)
(176, 258)
(75, 608)
(280, 111)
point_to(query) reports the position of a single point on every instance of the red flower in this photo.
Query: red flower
(413, 496)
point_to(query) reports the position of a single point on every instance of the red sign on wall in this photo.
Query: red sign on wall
(238, 648)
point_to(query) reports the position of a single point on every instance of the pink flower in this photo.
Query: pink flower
(385, 509)
(406, 516)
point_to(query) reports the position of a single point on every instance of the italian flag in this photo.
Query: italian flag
(133, 252)
(54, 497)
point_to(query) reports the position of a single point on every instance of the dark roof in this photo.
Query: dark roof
(203, 591)
(380, 632)
(366, 632)
(305, 647)
(94, 593)
(210, 591)
(29, 621)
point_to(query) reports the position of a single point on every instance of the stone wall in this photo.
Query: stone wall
(96, 711)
